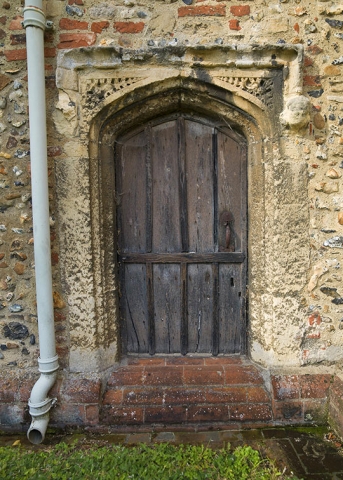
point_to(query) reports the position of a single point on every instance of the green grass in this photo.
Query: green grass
(157, 462)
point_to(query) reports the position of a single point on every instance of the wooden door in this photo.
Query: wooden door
(181, 218)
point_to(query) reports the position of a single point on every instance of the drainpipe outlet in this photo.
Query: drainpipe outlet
(39, 403)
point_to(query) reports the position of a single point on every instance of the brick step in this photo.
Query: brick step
(181, 390)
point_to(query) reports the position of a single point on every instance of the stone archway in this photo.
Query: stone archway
(245, 91)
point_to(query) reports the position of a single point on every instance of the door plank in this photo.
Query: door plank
(230, 188)
(132, 189)
(230, 301)
(135, 308)
(167, 308)
(200, 308)
(199, 186)
(166, 234)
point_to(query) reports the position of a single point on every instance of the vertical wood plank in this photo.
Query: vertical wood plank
(200, 308)
(199, 186)
(131, 189)
(167, 307)
(230, 303)
(135, 308)
(148, 176)
(215, 321)
(151, 310)
(231, 194)
(184, 310)
(166, 232)
(215, 190)
(182, 183)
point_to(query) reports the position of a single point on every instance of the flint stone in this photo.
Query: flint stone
(334, 242)
(337, 301)
(15, 308)
(334, 23)
(330, 291)
(316, 93)
(74, 11)
(15, 331)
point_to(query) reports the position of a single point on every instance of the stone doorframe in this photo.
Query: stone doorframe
(105, 90)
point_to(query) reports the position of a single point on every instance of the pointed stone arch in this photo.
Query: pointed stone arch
(103, 103)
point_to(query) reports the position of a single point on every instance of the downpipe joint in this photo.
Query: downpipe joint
(34, 17)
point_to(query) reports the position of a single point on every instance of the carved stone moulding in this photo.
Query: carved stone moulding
(265, 75)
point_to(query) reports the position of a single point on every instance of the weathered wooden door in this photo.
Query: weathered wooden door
(181, 218)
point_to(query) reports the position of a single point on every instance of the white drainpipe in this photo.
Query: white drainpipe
(39, 403)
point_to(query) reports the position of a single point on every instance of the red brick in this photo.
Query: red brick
(146, 361)
(289, 411)
(59, 317)
(127, 376)
(13, 55)
(242, 375)
(204, 375)
(68, 414)
(286, 386)
(296, 27)
(315, 386)
(16, 23)
(314, 49)
(92, 414)
(313, 335)
(122, 416)
(8, 388)
(129, 27)
(253, 413)
(54, 258)
(142, 396)
(11, 415)
(308, 61)
(25, 386)
(69, 24)
(168, 376)
(312, 80)
(240, 10)
(210, 395)
(231, 360)
(83, 390)
(165, 414)
(314, 319)
(98, 27)
(257, 395)
(18, 39)
(113, 397)
(202, 10)
(76, 40)
(75, 2)
(208, 414)
(184, 361)
(234, 24)
(54, 151)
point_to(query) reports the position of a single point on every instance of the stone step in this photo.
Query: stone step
(184, 390)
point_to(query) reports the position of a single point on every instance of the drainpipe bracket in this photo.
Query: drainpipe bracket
(34, 17)
(48, 365)
(41, 408)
